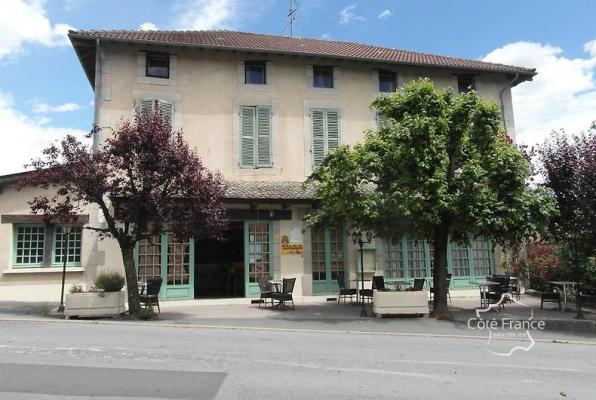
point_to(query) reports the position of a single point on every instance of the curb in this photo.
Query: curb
(305, 331)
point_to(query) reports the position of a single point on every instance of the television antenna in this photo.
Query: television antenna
(293, 8)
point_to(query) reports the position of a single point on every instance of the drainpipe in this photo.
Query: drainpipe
(509, 85)
(97, 93)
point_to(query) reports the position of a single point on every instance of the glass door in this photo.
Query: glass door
(327, 260)
(257, 240)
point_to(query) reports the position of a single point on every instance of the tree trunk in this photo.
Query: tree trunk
(130, 271)
(440, 308)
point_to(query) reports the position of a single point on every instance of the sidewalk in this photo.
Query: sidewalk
(316, 314)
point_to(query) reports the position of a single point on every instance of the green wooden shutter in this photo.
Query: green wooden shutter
(332, 130)
(146, 106)
(318, 135)
(247, 136)
(167, 111)
(263, 136)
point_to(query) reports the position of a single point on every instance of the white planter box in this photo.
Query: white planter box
(94, 304)
(400, 303)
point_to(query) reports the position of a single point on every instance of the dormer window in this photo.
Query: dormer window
(255, 73)
(387, 81)
(157, 65)
(465, 83)
(322, 76)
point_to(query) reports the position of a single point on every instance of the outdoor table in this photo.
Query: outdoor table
(482, 285)
(564, 284)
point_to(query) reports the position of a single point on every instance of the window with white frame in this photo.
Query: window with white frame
(29, 243)
(325, 133)
(255, 137)
(460, 262)
(67, 245)
(416, 259)
(157, 65)
(481, 257)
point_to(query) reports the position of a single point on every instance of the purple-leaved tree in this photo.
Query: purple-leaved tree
(144, 179)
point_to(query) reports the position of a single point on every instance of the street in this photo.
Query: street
(53, 360)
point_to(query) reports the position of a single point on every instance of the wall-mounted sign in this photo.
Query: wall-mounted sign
(289, 248)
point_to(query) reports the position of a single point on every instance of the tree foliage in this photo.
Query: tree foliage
(568, 164)
(144, 180)
(439, 168)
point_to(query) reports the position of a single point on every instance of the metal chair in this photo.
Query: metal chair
(432, 290)
(285, 294)
(152, 296)
(418, 284)
(378, 283)
(266, 289)
(343, 291)
(548, 295)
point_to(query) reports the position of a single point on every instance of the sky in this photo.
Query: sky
(45, 95)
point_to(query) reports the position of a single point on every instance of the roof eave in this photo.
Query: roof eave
(526, 73)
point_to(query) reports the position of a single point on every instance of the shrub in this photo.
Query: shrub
(147, 313)
(111, 281)
(76, 288)
(540, 265)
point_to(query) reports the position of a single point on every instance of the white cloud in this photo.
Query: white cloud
(385, 14)
(325, 36)
(148, 26)
(25, 21)
(348, 15)
(207, 14)
(24, 138)
(43, 108)
(561, 96)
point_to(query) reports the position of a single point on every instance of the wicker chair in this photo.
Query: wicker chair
(286, 293)
(266, 289)
(152, 296)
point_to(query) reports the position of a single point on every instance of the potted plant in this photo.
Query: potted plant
(104, 300)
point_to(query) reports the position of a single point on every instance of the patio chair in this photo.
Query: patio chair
(432, 289)
(514, 287)
(492, 295)
(504, 281)
(378, 283)
(343, 291)
(548, 295)
(285, 294)
(151, 297)
(266, 289)
(418, 284)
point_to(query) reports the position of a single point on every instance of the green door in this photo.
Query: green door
(328, 255)
(172, 260)
(257, 250)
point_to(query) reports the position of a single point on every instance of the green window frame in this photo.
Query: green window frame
(255, 137)
(149, 258)
(29, 245)
(416, 258)
(258, 244)
(75, 245)
(394, 260)
(482, 258)
(460, 260)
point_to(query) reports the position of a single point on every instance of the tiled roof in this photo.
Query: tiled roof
(296, 46)
(260, 190)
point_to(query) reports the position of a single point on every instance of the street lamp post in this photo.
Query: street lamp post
(360, 241)
(65, 232)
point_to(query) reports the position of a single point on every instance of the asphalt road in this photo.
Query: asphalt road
(57, 360)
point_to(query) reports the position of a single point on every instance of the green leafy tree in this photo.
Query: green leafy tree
(439, 168)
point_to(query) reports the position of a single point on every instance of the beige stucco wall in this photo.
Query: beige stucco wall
(208, 88)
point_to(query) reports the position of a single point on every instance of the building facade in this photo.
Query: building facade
(263, 110)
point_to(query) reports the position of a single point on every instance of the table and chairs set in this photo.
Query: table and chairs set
(279, 291)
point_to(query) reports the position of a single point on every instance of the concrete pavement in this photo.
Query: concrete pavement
(56, 360)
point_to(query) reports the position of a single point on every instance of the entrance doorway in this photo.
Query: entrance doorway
(219, 265)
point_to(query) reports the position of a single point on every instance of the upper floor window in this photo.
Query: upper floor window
(157, 65)
(255, 73)
(255, 137)
(166, 108)
(465, 83)
(325, 133)
(387, 81)
(322, 76)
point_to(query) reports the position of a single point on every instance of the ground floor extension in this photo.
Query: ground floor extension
(266, 237)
